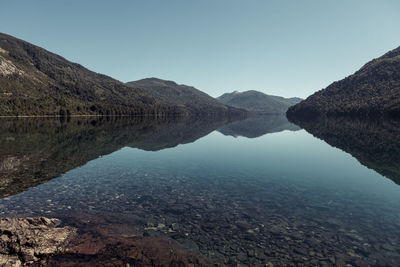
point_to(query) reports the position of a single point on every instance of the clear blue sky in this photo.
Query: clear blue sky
(289, 48)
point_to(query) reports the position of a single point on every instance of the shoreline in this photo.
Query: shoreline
(71, 116)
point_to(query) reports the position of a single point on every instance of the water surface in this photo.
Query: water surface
(282, 198)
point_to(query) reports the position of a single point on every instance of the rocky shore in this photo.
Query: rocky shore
(32, 240)
(40, 241)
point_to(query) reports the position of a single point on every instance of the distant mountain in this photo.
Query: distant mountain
(183, 96)
(256, 126)
(35, 82)
(371, 91)
(258, 102)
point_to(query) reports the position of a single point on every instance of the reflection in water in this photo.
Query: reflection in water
(280, 199)
(256, 126)
(34, 151)
(374, 143)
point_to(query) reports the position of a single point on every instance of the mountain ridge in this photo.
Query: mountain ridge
(36, 82)
(183, 96)
(258, 102)
(373, 90)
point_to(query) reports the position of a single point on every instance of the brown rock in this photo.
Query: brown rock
(28, 240)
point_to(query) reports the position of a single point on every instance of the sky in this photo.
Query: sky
(283, 47)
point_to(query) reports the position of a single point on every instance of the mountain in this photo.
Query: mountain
(258, 102)
(183, 96)
(36, 82)
(255, 126)
(374, 90)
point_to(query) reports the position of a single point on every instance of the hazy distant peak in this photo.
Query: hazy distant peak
(258, 102)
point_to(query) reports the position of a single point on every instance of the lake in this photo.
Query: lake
(257, 192)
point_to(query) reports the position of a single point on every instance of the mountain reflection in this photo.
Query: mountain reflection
(374, 143)
(34, 151)
(253, 127)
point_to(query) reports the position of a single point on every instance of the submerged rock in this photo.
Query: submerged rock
(103, 244)
(31, 240)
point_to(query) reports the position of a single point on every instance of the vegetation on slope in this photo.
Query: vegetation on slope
(374, 90)
(34, 81)
(183, 96)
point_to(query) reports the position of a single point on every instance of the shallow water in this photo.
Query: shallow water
(283, 198)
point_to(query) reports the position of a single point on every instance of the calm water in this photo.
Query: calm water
(282, 197)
